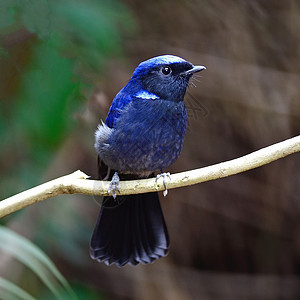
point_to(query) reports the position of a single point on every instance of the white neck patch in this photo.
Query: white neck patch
(146, 95)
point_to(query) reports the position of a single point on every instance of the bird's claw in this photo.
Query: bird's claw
(164, 176)
(114, 185)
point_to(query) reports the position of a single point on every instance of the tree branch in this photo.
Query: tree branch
(77, 183)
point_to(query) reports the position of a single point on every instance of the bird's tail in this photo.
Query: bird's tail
(130, 229)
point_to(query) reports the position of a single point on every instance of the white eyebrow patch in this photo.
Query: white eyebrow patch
(146, 95)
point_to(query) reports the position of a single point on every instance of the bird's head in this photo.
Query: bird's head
(165, 77)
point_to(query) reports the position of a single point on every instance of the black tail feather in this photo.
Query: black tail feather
(130, 229)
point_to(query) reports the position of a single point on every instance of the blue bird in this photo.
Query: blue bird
(143, 134)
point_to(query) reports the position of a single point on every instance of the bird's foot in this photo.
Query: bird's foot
(114, 185)
(164, 176)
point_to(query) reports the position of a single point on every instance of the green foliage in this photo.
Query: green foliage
(72, 40)
(10, 291)
(40, 114)
(32, 257)
(88, 31)
(7, 13)
(47, 88)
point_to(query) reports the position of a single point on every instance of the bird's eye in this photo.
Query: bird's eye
(166, 70)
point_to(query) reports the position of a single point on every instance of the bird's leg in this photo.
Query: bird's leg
(107, 174)
(164, 176)
(114, 185)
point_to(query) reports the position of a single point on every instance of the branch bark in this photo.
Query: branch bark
(77, 183)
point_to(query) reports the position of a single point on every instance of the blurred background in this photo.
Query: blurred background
(62, 63)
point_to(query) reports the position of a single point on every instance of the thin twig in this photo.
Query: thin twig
(77, 183)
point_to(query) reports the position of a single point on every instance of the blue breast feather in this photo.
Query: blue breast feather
(147, 135)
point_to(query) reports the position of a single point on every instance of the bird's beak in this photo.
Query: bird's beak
(194, 70)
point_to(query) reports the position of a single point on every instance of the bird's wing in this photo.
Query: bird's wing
(118, 104)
